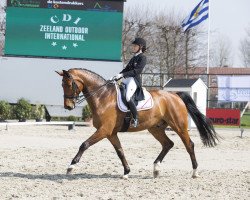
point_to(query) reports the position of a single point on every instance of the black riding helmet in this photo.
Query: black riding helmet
(141, 42)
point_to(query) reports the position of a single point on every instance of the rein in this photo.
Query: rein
(80, 98)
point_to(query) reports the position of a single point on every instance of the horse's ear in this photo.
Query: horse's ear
(60, 73)
(66, 73)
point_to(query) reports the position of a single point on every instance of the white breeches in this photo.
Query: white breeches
(131, 87)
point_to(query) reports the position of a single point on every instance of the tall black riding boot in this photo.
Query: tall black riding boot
(133, 110)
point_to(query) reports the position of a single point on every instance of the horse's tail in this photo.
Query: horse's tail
(204, 125)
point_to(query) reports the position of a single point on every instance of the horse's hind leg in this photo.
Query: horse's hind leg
(167, 144)
(190, 149)
(117, 145)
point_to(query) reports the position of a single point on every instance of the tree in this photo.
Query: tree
(245, 49)
(2, 28)
(173, 48)
(221, 55)
(135, 24)
(194, 49)
(169, 48)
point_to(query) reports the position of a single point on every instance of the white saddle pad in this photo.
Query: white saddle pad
(142, 105)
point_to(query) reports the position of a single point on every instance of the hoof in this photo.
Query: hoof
(195, 174)
(156, 174)
(125, 177)
(69, 171)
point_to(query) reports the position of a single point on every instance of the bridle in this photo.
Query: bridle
(74, 89)
(80, 98)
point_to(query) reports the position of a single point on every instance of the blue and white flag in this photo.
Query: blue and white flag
(199, 14)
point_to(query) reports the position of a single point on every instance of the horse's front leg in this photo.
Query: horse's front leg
(117, 145)
(96, 137)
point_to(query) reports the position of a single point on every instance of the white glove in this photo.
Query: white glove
(118, 76)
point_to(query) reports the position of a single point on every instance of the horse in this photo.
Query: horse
(170, 109)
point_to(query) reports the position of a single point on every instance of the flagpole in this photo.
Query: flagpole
(208, 52)
(208, 36)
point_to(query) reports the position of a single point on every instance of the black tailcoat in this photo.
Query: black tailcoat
(134, 69)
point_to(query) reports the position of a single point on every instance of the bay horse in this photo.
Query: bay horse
(170, 109)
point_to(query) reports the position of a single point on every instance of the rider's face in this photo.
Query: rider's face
(135, 48)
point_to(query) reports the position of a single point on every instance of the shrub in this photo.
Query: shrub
(86, 113)
(71, 118)
(23, 110)
(56, 119)
(5, 110)
(38, 112)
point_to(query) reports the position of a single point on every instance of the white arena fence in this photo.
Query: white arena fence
(71, 124)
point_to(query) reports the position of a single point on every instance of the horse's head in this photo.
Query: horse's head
(72, 87)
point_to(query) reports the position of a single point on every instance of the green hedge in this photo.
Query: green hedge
(72, 118)
(86, 113)
(38, 112)
(5, 110)
(23, 110)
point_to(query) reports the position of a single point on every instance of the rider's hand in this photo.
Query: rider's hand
(118, 76)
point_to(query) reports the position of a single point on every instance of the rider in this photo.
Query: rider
(131, 74)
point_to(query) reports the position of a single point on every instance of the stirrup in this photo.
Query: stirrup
(135, 122)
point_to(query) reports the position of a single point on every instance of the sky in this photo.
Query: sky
(228, 18)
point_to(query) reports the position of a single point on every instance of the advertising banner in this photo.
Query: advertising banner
(230, 117)
(234, 88)
(62, 33)
(89, 5)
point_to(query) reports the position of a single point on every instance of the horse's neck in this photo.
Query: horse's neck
(91, 84)
(93, 91)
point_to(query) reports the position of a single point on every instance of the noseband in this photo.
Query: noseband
(74, 90)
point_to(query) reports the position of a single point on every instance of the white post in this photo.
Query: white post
(244, 110)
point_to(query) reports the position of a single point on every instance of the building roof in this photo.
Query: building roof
(181, 83)
(227, 70)
(215, 71)
(59, 111)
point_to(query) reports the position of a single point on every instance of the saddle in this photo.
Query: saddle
(145, 104)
